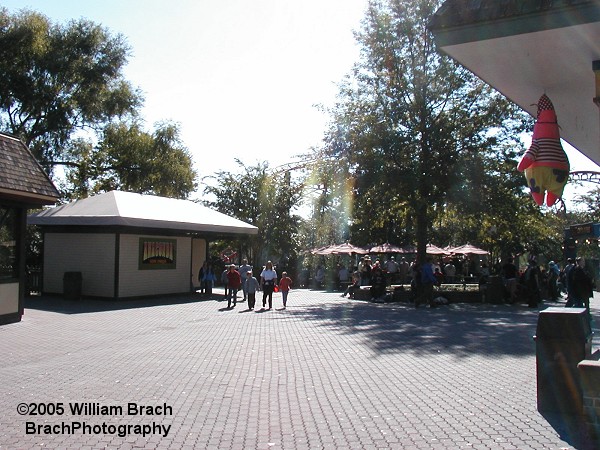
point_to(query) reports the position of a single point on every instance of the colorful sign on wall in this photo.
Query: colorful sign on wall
(157, 254)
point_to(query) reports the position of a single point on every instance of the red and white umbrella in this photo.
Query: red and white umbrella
(385, 248)
(468, 249)
(340, 249)
(435, 250)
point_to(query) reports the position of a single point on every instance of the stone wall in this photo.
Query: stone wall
(589, 372)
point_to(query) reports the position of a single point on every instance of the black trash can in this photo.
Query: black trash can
(563, 339)
(495, 290)
(72, 282)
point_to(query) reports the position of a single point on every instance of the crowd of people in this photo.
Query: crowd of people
(421, 278)
(573, 282)
(236, 279)
(535, 283)
(530, 285)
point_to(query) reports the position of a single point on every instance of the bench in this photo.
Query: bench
(364, 293)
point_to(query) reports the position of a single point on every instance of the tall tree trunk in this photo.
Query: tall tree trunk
(422, 228)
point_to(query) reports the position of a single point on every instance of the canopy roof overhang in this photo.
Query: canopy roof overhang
(527, 48)
(136, 211)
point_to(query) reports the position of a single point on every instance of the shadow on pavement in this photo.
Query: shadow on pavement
(460, 329)
(88, 305)
(572, 429)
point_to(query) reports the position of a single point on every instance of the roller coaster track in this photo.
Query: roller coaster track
(297, 165)
(582, 175)
(579, 175)
(560, 207)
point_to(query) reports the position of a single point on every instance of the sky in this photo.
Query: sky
(241, 78)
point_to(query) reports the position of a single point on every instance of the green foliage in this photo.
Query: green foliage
(589, 204)
(328, 193)
(429, 150)
(55, 80)
(130, 159)
(265, 200)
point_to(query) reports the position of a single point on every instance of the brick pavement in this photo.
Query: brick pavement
(325, 373)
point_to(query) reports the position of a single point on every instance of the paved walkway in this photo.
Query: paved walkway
(325, 373)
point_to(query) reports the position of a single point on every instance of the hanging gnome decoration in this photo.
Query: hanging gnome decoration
(545, 164)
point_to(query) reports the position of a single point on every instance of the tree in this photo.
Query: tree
(413, 127)
(328, 192)
(128, 158)
(56, 80)
(263, 199)
(491, 207)
(590, 204)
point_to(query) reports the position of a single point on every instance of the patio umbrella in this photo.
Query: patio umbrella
(318, 250)
(435, 250)
(385, 248)
(468, 249)
(340, 249)
(348, 249)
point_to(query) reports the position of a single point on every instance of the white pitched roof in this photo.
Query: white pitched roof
(128, 209)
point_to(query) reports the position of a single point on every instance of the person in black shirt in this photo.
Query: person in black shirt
(581, 285)
(509, 272)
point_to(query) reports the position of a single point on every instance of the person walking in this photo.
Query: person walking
(201, 276)
(404, 271)
(365, 271)
(244, 268)
(391, 271)
(319, 277)
(567, 275)
(201, 273)
(234, 280)
(532, 278)
(208, 279)
(428, 280)
(581, 285)
(450, 272)
(509, 273)
(284, 287)
(268, 280)
(250, 287)
(553, 273)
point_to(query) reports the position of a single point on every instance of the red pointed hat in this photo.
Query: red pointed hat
(544, 104)
(546, 113)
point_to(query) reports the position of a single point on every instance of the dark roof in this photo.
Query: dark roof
(554, 13)
(21, 176)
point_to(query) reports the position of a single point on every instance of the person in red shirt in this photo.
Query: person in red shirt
(284, 286)
(234, 281)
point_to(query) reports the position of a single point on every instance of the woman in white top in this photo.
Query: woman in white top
(268, 280)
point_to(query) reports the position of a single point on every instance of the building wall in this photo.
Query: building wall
(9, 298)
(92, 254)
(134, 282)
